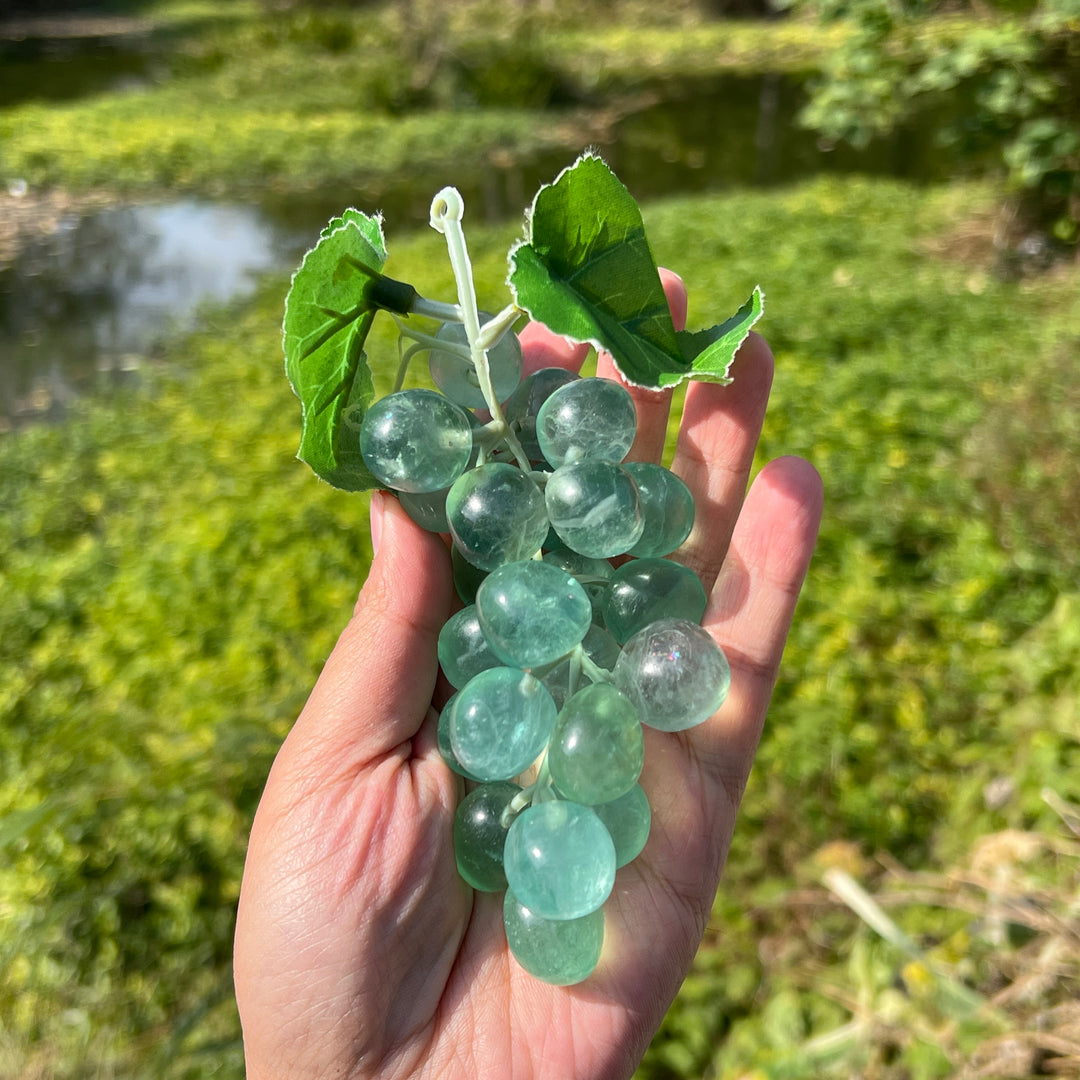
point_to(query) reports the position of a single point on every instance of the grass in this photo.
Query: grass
(171, 579)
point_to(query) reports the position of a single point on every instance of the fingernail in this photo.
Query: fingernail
(378, 508)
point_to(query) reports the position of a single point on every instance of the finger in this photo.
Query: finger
(653, 406)
(675, 291)
(376, 686)
(541, 348)
(715, 451)
(751, 607)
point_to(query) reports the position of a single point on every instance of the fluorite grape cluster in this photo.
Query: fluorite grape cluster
(558, 658)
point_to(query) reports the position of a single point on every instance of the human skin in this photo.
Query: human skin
(360, 952)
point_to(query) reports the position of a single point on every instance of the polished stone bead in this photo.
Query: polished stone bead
(587, 420)
(557, 951)
(426, 508)
(525, 402)
(674, 673)
(532, 613)
(559, 860)
(480, 835)
(500, 722)
(628, 819)
(443, 739)
(467, 578)
(416, 440)
(667, 506)
(463, 649)
(496, 515)
(596, 749)
(644, 590)
(594, 508)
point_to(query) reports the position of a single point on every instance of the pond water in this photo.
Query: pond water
(84, 306)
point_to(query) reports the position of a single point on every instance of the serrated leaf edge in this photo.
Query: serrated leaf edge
(720, 379)
(334, 226)
(589, 153)
(326, 233)
(527, 240)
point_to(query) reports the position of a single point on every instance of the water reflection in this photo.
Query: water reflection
(727, 130)
(86, 305)
(64, 58)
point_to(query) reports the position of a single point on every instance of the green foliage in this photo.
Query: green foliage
(328, 313)
(1029, 425)
(586, 271)
(180, 141)
(1011, 75)
(928, 693)
(323, 97)
(171, 580)
(163, 610)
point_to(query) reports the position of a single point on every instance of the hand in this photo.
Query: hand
(359, 950)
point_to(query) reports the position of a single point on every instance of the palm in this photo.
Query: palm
(361, 953)
(401, 942)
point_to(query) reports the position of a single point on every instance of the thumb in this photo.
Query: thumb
(376, 686)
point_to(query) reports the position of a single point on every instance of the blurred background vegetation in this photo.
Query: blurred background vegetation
(901, 900)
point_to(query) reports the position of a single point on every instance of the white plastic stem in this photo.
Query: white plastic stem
(575, 671)
(538, 791)
(491, 333)
(430, 341)
(593, 671)
(403, 366)
(436, 309)
(447, 210)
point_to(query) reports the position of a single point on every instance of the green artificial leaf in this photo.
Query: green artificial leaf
(711, 351)
(371, 227)
(586, 271)
(328, 312)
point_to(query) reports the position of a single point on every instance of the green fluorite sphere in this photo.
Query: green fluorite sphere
(628, 819)
(426, 508)
(479, 835)
(644, 590)
(443, 738)
(525, 402)
(589, 419)
(532, 613)
(558, 951)
(467, 578)
(559, 860)
(416, 440)
(668, 508)
(463, 651)
(675, 673)
(597, 748)
(501, 720)
(594, 508)
(496, 515)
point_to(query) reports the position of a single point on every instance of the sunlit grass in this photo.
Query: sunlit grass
(172, 579)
